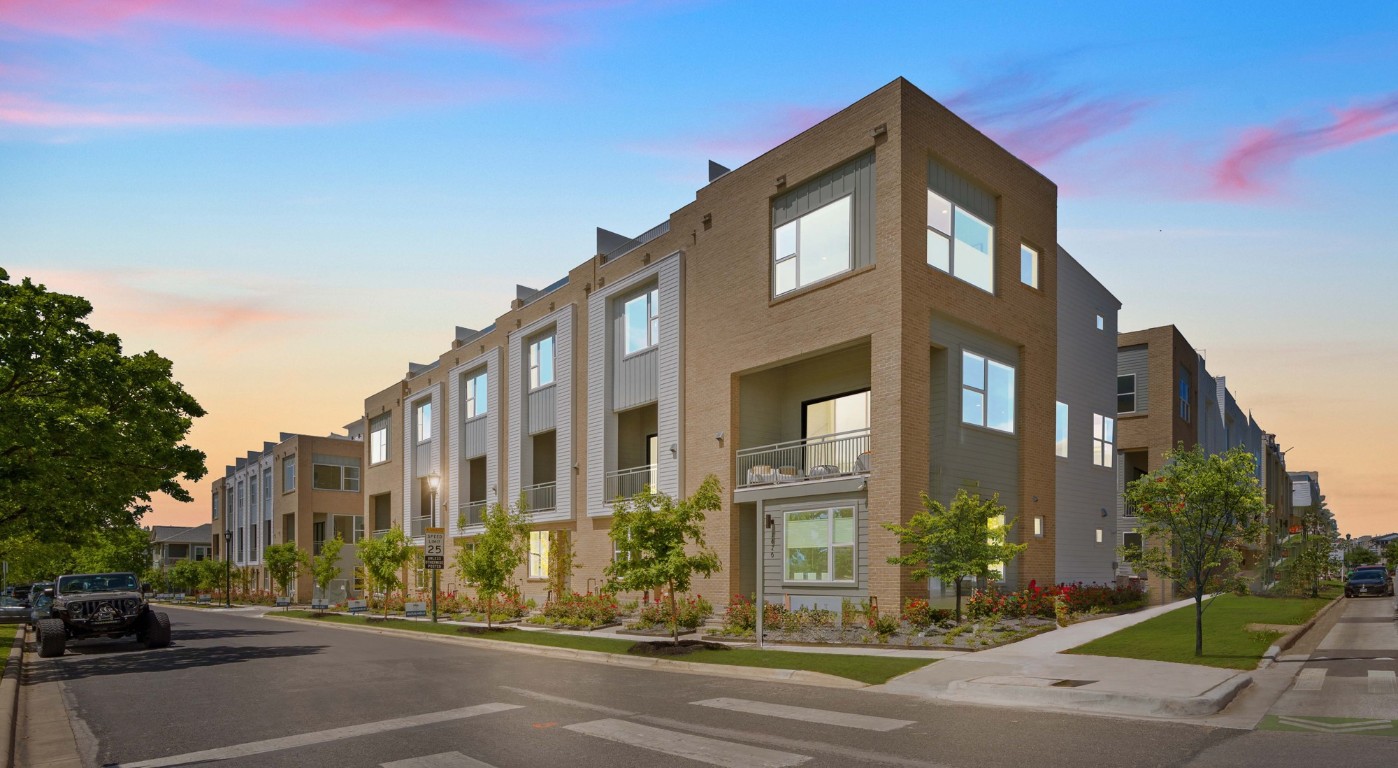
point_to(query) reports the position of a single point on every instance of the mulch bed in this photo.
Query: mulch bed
(481, 630)
(670, 648)
(654, 632)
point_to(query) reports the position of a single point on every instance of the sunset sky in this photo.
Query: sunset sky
(293, 199)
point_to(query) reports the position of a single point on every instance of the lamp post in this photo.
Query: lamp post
(433, 481)
(227, 569)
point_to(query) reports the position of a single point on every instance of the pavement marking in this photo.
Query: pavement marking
(806, 714)
(700, 748)
(1310, 679)
(1383, 681)
(1335, 724)
(444, 760)
(321, 737)
(568, 702)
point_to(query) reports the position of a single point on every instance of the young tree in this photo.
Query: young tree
(1312, 557)
(87, 433)
(952, 543)
(561, 555)
(1196, 513)
(488, 561)
(658, 534)
(384, 559)
(211, 575)
(284, 562)
(1360, 556)
(1390, 555)
(183, 575)
(325, 567)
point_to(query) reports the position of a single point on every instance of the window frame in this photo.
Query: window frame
(379, 438)
(1034, 262)
(796, 255)
(1060, 424)
(953, 208)
(830, 546)
(536, 368)
(538, 558)
(651, 300)
(422, 421)
(289, 473)
(346, 475)
(1103, 441)
(472, 395)
(1132, 393)
(984, 391)
(1184, 393)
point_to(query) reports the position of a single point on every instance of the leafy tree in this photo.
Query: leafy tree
(284, 562)
(384, 559)
(488, 561)
(211, 575)
(183, 576)
(1361, 556)
(1390, 555)
(87, 433)
(952, 543)
(1312, 558)
(123, 547)
(561, 555)
(325, 567)
(657, 534)
(1196, 513)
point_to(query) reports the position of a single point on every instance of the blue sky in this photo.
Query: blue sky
(339, 183)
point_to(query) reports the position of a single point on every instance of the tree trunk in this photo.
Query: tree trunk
(1199, 621)
(958, 600)
(674, 615)
(489, 604)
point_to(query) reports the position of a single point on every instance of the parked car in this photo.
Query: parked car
(99, 605)
(13, 610)
(1367, 582)
(40, 603)
(1387, 574)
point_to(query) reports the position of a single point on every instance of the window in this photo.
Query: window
(1039, 525)
(1101, 323)
(541, 362)
(1126, 393)
(960, 244)
(642, 321)
(1099, 535)
(813, 247)
(987, 393)
(424, 422)
(834, 415)
(477, 395)
(253, 497)
(1028, 266)
(1131, 540)
(539, 554)
(378, 437)
(820, 545)
(334, 473)
(215, 505)
(1184, 393)
(267, 494)
(288, 473)
(1060, 430)
(1103, 437)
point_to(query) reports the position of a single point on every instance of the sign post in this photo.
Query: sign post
(434, 554)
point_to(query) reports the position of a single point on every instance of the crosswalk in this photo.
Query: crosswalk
(1376, 681)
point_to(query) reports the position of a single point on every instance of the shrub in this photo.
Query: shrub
(688, 614)
(921, 615)
(883, 624)
(577, 610)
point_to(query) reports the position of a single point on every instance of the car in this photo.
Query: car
(13, 610)
(86, 605)
(1387, 574)
(40, 599)
(1367, 582)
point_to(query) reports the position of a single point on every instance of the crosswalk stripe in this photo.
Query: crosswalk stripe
(726, 754)
(1383, 681)
(806, 714)
(443, 760)
(1310, 679)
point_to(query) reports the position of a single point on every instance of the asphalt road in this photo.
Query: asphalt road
(238, 690)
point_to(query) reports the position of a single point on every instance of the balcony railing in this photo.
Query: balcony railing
(629, 482)
(420, 524)
(540, 498)
(380, 533)
(471, 513)
(817, 458)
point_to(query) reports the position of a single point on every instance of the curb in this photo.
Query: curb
(1099, 702)
(797, 676)
(9, 699)
(1289, 639)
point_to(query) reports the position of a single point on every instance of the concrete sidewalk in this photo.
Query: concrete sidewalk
(1035, 673)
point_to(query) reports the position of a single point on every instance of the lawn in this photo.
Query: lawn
(7, 638)
(1227, 641)
(866, 669)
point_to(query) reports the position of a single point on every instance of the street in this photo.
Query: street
(239, 690)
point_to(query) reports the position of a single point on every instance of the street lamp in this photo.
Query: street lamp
(433, 481)
(228, 569)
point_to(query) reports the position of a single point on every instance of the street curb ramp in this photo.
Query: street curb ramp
(1043, 693)
(1289, 639)
(9, 700)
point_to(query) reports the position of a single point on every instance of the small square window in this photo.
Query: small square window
(1101, 323)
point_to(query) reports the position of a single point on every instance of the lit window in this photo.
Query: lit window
(1099, 535)
(1060, 430)
(539, 554)
(1039, 525)
(477, 396)
(820, 545)
(1103, 439)
(813, 247)
(541, 362)
(1126, 393)
(288, 476)
(1028, 266)
(424, 422)
(378, 438)
(960, 243)
(642, 321)
(987, 393)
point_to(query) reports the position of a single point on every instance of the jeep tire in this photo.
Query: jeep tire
(52, 638)
(156, 633)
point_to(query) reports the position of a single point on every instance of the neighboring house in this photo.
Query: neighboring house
(875, 308)
(170, 544)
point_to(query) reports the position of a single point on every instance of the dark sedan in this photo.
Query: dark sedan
(1367, 583)
(13, 611)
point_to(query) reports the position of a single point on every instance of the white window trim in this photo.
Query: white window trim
(985, 392)
(289, 461)
(651, 296)
(420, 424)
(796, 255)
(471, 397)
(951, 243)
(538, 560)
(374, 437)
(829, 546)
(535, 368)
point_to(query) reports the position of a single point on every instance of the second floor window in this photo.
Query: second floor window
(987, 393)
(1126, 393)
(424, 422)
(477, 396)
(1103, 440)
(541, 362)
(289, 473)
(642, 321)
(1184, 393)
(813, 247)
(378, 438)
(1060, 430)
(1028, 266)
(334, 473)
(959, 243)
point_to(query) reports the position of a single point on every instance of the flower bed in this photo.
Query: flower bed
(583, 612)
(688, 613)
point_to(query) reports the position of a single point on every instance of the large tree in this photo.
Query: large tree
(1197, 512)
(87, 434)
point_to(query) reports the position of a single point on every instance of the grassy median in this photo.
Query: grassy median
(7, 638)
(866, 669)
(1228, 642)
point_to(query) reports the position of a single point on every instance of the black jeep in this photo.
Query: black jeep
(100, 605)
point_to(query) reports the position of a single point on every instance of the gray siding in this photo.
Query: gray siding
(855, 177)
(541, 409)
(960, 190)
(1136, 360)
(774, 588)
(638, 379)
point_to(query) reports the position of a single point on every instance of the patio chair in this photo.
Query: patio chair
(761, 474)
(861, 464)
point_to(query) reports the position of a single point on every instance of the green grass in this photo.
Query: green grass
(7, 638)
(1227, 641)
(866, 669)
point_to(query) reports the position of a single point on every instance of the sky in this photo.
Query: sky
(293, 199)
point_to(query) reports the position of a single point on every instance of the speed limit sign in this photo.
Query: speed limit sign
(434, 548)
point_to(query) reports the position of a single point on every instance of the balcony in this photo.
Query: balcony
(470, 514)
(628, 482)
(420, 525)
(818, 458)
(541, 497)
(379, 534)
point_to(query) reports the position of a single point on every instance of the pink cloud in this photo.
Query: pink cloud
(1262, 154)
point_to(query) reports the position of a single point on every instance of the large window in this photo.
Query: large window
(820, 545)
(477, 396)
(253, 498)
(378, 437)
(1184, 393)
(288, 474)
(813, 247)
(1126, 393)
(642, 321)
(424, 422)
(541, 362)
(334, 473)
(216, 494)
(1060, 430)
(1103, 440)
(267, 493)
(1028, 266)
(987, 393)
(833, 415)
(960, 243)
(539, 554)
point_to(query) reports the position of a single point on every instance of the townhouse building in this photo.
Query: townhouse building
(169, 544)
(874, 309)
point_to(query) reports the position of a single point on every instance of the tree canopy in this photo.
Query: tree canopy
(384, 557)
(488, 561)
(87, 434)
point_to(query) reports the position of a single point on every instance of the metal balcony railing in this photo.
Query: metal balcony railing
(380, 533)
(540, 498)
(816, 458)
(420, 524)
(471, 513)
(629, 482)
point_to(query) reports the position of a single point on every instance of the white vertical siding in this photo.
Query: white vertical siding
(521, 423)
(518, 389)
(490, 426)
